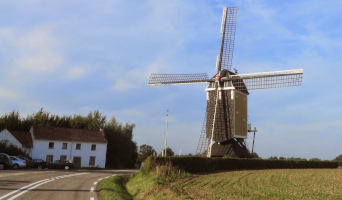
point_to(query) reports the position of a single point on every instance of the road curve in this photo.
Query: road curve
(51, 184)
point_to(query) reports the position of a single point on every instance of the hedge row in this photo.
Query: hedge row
(200, 164)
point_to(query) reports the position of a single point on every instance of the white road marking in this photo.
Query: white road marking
(15, 191)
(95, 183)
(18, 174)
(92, 189)
(100, 179)
(36, 184)
(21, 193)
(12, 174)
(107, 177)
(92, 198)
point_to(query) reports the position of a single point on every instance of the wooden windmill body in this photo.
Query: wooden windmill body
(225, 125)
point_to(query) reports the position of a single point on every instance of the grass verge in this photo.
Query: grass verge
(166, 182)
(242, 184)
(114, 188)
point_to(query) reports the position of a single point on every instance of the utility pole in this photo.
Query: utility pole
(167, 118)
(163, 151)
(253, 140)
(249, 127)
(180, 152)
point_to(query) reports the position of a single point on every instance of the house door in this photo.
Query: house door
(77, 162)
(49, 158)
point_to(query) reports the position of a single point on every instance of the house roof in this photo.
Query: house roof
(23, 137)
(68, 134)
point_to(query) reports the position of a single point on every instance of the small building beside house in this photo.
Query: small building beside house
(86, 148)
(21, 139)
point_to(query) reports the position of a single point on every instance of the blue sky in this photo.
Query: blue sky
(73, 57)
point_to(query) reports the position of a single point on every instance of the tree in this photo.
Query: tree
(145, 151)
(169, 152)
(294, 159)
(273, 158)
(255, 155)
(338, 158)
(122, 151)
(282, 158)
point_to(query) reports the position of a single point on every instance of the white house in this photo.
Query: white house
(20, 139)
(86, 148)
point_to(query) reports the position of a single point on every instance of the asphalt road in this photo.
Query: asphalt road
(48, 184)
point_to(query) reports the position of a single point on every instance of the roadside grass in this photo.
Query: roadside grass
(151, 186)
(114, 188)
(242, 184)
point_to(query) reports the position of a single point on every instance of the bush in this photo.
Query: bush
(11, 149)
(201, 164)
(315, 159)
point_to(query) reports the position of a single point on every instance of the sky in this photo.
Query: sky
(79, 56)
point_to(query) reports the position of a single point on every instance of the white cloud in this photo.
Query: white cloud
(39, 63)
(5, 94)
(38, 51)
(137, 78)
(76, 73)
(30, 52)
(124, 85)
(131, 112)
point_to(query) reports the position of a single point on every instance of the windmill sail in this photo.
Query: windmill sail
(176, 79)
(228, 28)
(266, 80)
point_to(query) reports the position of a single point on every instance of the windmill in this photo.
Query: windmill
(225, 124)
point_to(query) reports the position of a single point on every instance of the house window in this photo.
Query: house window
(49, 158)
(78, 146)
(51, 145)
(65, 146)
(63, 157)
(93, 147)
(92, 160)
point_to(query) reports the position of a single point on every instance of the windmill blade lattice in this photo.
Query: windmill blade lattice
(203, 142)
(175, 79)
(266, 80)
(228, 29)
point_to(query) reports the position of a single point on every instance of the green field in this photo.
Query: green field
(244, 184)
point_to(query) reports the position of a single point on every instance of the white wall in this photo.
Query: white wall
(41, 150)
(6, 135)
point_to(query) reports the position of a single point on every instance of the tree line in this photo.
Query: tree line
(122, 151)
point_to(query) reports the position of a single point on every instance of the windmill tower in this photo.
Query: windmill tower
(225, 123)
